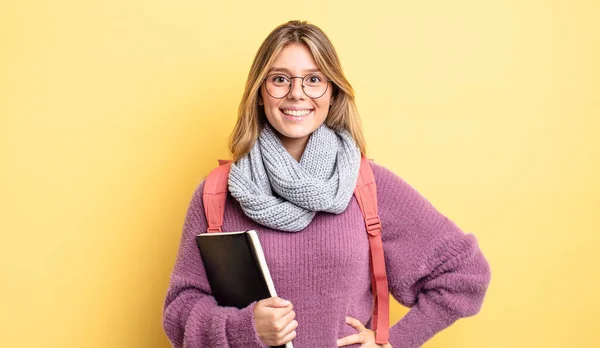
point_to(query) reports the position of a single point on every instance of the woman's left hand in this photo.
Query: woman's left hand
(364, 336)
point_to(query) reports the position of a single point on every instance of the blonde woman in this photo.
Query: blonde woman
(296, 148)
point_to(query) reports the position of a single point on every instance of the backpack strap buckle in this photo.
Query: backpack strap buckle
(373, 225)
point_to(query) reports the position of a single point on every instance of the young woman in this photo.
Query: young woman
(297, 147)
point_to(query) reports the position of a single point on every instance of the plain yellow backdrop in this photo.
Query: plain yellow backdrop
(111, 113)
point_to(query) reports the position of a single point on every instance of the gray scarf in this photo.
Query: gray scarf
(276, 191)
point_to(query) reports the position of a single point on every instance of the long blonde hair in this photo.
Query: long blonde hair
(343, 113)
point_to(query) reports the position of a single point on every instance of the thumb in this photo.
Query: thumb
(276, 302)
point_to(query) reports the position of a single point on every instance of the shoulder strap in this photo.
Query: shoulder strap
(215, 194)
(366, 196)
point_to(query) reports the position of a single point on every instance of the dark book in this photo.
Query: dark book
(236, 268)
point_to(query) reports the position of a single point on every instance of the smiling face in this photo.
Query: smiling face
(295, 116)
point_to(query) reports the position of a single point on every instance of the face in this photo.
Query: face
(296, 115)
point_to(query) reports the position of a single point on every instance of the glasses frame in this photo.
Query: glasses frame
(291, 78)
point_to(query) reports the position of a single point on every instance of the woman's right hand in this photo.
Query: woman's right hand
(274, 320)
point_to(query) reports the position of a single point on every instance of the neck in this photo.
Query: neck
(294, 146)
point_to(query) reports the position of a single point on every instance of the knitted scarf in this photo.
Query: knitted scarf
(276, 191)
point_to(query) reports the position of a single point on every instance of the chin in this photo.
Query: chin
(295, 130)
(294, 133)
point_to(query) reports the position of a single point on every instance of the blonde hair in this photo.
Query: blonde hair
(343, 113)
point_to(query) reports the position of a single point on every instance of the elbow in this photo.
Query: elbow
(484, 276)
(176, 312)
(172, 326)
(462, 287)
(471, 294)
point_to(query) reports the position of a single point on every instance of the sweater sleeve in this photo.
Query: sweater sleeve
(433, 267)
(192, 317)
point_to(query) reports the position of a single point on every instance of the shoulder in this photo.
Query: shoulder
(386, 177)
(382, 173)
(390, 186)
(402, 206)
(211, 182)
(196, 199)
(195, 212)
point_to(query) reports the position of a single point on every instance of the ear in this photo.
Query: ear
(331, 101)
(260, 101)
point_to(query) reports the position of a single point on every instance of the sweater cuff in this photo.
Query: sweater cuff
(241, 329)
(419, 325)
(217, 326)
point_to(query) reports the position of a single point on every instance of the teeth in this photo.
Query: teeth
(296, 112)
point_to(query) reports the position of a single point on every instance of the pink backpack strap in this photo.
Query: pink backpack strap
(366, 196)
(215, 194)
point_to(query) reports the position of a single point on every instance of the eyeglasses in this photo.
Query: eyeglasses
(279, 85)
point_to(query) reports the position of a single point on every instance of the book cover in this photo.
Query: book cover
(236, 268)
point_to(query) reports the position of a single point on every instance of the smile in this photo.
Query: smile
(296, 113)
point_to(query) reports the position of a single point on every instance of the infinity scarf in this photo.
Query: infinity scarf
(276, 191)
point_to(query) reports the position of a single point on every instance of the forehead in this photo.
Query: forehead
(295, 58)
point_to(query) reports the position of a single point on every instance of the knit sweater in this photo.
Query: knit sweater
(433, 267)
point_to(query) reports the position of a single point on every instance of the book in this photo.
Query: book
(236, 268)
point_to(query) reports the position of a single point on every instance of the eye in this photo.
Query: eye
(280, 79)
(315, 79)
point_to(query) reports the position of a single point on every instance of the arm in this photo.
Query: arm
(191, 315)
(433, 267)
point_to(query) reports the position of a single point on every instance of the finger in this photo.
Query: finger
(280, 321)
(286, 318)
(287, 338)
(292, 326)
(275, 302)
(277, 314)
(355, 323)
(348, 340)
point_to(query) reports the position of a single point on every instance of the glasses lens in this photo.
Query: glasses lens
(315, 85)
(278, 85)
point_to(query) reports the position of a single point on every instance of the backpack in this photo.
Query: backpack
(214, 196)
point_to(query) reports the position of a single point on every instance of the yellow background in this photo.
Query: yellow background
(111, 112)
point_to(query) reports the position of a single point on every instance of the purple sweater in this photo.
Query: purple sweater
(433, 267)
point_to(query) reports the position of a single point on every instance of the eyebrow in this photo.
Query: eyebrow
(288, 71)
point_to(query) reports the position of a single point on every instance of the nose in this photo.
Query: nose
(296, 91)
